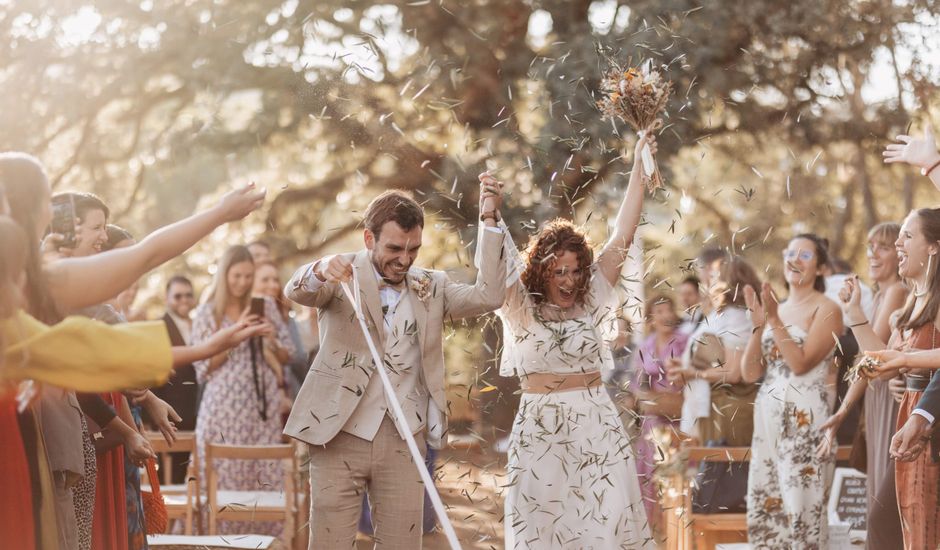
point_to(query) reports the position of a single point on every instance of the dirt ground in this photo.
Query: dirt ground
(470, 485)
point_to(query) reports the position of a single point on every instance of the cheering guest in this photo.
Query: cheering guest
(240, 389)
(791, 347)
(881, 408)
(260, 252)
(917, 478)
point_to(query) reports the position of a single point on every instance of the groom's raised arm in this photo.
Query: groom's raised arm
(307, 289)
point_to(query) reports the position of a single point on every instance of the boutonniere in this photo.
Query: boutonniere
(421, 286)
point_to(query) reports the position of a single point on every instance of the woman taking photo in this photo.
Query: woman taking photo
(791, 348)
(557, 318)
(881, 407)
(240, 400)
(268, 283)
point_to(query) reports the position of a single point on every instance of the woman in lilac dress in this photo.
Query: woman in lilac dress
(658, 400)
(240, 400)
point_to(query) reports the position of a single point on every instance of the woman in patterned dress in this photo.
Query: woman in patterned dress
(791, 347)
(572, 474)
(240, 390)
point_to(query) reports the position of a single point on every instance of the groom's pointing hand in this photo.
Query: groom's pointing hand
(335, 269)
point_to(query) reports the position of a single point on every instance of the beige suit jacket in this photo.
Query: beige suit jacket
(343, 366)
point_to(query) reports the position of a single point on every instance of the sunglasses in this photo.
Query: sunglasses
(803, 255)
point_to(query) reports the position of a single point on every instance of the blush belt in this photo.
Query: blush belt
(543, 382)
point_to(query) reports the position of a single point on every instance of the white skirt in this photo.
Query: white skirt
(572, 476)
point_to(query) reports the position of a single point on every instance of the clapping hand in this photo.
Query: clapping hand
(920, 152)
(754, 307)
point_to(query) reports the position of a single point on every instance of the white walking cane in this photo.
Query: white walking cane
(399, 415)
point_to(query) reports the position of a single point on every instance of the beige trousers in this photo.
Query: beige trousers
(348, 466)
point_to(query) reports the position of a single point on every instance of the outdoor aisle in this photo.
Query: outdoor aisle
(469, 482)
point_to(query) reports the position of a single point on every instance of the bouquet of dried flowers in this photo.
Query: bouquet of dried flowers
(636, 96)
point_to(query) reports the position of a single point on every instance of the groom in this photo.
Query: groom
(341, 410)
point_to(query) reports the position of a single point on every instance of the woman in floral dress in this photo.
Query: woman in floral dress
(791, 347)
(572, 474)
(240, 401)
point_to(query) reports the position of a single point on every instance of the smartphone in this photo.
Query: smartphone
(257, 307)
(63, 222)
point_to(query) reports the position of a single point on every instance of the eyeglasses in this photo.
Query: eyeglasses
(182, 295)
(803, 255)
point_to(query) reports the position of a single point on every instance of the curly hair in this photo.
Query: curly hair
(557, 236)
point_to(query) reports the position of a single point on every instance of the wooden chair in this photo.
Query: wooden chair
(252, 505)
(182, 500)
(686, 530)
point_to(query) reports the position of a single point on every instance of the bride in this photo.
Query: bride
(572, 474)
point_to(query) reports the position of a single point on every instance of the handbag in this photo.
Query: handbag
(155, 514)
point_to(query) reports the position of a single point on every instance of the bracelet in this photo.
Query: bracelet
(927, 171)
(494, 215)
(865, 322)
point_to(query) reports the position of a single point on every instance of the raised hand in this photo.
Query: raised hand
(491, 193)
(920, 152)
(648, 139)
(850, 300)
(238, 203)
(754, 307)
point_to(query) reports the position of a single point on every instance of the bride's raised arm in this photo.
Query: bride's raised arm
(614, 254)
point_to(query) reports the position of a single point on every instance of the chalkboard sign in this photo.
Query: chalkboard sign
(848, 502)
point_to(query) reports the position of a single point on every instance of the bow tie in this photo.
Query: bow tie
(400, 287)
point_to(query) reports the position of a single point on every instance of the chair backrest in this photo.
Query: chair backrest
(249, 452)
(185, 443)
(283, 452)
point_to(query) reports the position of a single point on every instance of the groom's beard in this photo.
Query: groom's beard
(380, 269)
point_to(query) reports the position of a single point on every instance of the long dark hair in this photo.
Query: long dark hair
(24, 180)
(930, 228)
(822, 257)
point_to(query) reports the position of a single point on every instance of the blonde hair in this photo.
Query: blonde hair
(219, 293)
